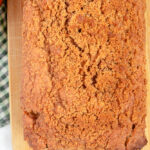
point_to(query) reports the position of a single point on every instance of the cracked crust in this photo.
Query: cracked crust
(84, 82)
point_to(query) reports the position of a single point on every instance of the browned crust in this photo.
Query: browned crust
(84, 82)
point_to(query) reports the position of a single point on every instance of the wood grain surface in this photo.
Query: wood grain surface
(14, 52)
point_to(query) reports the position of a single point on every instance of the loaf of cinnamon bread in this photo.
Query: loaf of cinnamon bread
(84, 80)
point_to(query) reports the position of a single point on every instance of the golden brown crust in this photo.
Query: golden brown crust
(84, 82)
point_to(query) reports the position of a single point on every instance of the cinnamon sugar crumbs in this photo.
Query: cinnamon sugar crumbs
(84, 82)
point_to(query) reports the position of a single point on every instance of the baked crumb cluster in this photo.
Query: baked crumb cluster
(84, 82)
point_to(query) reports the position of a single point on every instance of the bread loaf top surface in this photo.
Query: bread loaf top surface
(84, 82)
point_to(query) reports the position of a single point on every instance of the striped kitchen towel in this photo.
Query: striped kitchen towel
(4, 84)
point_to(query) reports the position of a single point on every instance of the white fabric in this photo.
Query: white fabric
(5, 138)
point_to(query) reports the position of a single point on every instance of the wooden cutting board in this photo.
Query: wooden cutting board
(14, 54)
(14, 51)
